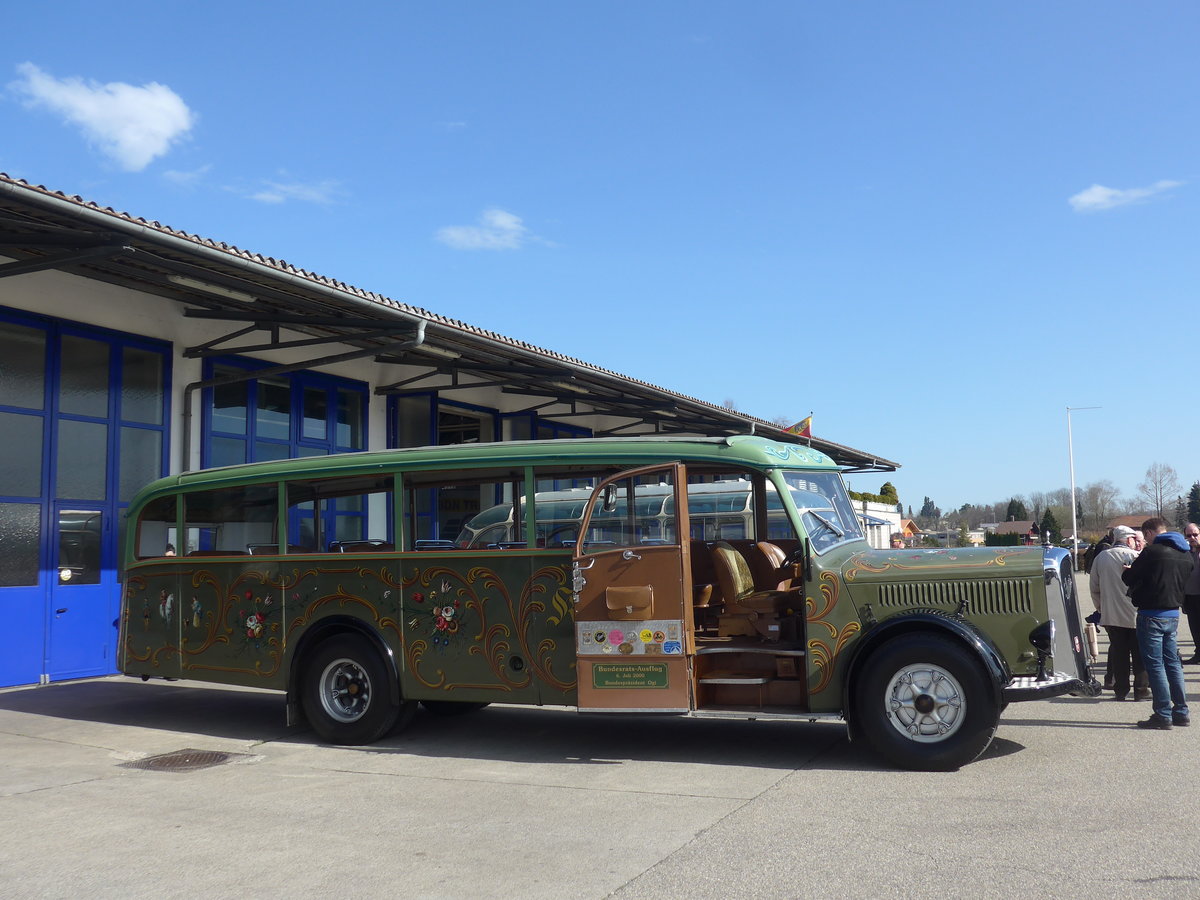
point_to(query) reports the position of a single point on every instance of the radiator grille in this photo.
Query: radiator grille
(992, 597)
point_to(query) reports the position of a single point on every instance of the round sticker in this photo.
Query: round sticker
(647, 635)
(626, 648)
(631, 636)
(600, 637)
(659, 637)
(616, 636)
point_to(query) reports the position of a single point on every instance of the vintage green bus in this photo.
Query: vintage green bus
(714, 577)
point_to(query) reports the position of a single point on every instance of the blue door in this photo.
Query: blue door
(83, 594)
(83, 416)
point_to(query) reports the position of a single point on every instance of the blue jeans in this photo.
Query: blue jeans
(1160, 656)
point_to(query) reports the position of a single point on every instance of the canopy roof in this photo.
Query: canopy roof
(42, 229)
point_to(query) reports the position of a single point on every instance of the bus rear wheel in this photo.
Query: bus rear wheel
(924, 702)
(346, 693)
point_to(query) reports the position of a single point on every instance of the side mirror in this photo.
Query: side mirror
(609, 500)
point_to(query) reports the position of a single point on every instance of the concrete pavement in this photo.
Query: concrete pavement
(1070, 801)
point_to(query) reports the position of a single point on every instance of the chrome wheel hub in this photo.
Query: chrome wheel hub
(925, 703)
(345, 690)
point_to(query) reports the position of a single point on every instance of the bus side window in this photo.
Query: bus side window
(464, 510)
(227, 520)
(156, 529)
(340, 515)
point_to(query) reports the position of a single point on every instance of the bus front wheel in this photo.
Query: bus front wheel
(346, 694)
(924, 702)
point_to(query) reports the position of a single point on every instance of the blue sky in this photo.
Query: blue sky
(936, 226)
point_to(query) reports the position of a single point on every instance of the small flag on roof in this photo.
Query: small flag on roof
(803, 428)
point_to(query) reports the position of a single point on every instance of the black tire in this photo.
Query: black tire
(925, 702)
(346, 692)
(452, 707)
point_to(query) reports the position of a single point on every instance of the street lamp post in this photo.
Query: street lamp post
(1074, 505)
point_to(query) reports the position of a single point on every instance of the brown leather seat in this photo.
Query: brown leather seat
(748, 610)
(769, 570)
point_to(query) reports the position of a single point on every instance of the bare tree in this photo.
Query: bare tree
(1100, 503)
(1059, 497)
(1160, 486)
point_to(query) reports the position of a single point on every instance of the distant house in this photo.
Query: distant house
(1134, 521)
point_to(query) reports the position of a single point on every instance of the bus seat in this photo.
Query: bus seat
(369, 546)
(748, 610)
(217, 553)
(769, 571)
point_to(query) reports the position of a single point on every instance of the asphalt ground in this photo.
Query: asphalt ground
(1071, 800)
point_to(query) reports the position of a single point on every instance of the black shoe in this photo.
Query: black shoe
(1181, 721)
(1108, 682)
(1156, 722)
(1120, 696)
(1142, 694)
(1194, 661)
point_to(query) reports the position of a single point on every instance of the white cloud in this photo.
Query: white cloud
(1099, 197)
(132, 125)
(323, 192)
(497, 230)
(187, 178)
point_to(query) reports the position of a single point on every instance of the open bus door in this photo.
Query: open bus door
(632, 590)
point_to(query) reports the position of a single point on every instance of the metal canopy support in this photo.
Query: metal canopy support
(24, 267)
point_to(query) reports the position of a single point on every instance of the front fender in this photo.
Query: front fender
(928, 621)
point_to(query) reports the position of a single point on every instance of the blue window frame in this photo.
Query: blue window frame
(285, 417)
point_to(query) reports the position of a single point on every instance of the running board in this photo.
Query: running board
(752, 713)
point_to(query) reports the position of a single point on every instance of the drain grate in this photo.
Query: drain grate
(182, 761)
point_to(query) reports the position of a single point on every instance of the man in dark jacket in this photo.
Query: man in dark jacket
(1156, 580)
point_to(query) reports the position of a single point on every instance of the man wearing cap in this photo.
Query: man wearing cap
(1111, 597)
(1156, 581)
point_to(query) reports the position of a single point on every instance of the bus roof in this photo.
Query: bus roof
(750, 450)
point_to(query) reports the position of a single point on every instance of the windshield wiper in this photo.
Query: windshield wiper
(824, 521)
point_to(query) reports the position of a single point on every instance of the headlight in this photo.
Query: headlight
(1042, 637)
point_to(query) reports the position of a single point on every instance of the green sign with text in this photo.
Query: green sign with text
(629, 675)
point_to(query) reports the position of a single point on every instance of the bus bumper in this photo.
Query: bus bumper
(1055, 685)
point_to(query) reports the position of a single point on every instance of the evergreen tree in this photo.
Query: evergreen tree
(1050, 525)
(1193, 504)
(1016, 510)
(964, 537)
(1180, 513)
(910, 515)
(888, 493)
(928, 510)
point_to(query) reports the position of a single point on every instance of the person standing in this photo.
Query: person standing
(1089, 558)
(1156, 580)
(1191, 592)
(1117, 615)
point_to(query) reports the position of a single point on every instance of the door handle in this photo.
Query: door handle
(59, 612)
(629, 554)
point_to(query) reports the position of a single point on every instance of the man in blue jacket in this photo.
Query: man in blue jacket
(1156, 581)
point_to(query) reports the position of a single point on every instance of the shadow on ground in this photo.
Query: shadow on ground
(512, 734)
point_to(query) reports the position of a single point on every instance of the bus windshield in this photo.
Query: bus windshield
(824, 508)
